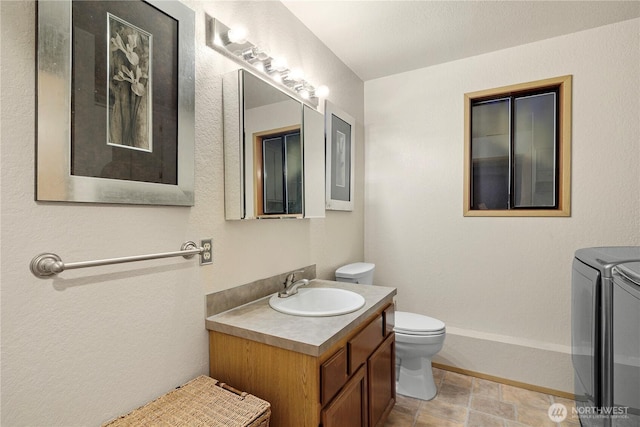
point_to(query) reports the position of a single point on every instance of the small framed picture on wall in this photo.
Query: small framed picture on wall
(340, 155)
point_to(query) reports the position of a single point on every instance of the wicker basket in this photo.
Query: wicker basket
(200, 402)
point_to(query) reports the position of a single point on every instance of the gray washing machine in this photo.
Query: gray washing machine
(605, 332)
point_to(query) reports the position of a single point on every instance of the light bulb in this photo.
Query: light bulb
(279, 63)
(296, 74)
(237, 35)
(304, 93)
(259, 66)
(322, 91)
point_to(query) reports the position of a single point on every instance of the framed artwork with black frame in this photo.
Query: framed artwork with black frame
(340, 155)
(116, 89)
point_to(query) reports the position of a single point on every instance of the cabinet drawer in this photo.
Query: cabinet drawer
(333, 375)
(363, 344)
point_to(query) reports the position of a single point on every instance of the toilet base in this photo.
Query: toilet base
(415, 379)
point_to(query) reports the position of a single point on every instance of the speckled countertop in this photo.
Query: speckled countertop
(257, 321)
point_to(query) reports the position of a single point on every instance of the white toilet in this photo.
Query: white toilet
(418, 339)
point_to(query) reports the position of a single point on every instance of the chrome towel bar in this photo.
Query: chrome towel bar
(49, 264)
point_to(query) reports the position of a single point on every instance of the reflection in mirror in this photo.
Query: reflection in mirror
(265, 149)
(279, 173)
(272, 124)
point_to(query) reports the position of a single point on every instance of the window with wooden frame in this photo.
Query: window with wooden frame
(518, 150)
(278, 177)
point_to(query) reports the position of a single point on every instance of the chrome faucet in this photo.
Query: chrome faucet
(291, 287)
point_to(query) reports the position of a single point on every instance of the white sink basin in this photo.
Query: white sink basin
(317, 302)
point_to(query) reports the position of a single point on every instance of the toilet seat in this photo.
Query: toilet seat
(417, 324)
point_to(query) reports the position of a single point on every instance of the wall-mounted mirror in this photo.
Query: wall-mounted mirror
(271, 149)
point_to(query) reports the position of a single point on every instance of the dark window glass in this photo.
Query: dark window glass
(514, 151)
(282, 174)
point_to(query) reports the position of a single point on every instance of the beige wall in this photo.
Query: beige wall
(502, 285)
(95, 343)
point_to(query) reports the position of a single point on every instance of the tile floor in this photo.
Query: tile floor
(464, 401)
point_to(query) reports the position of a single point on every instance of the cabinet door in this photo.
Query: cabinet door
(382, 381)
(349, 408)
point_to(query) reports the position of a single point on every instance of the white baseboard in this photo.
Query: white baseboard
(541, 365)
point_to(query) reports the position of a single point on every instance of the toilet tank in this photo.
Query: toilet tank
(359, 272)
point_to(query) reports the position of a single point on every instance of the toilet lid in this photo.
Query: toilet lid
(355, 270)
(417, 324)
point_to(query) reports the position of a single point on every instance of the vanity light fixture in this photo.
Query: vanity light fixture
(254, 54)
(232, 42)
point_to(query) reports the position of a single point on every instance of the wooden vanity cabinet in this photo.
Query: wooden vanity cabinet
(350, 385)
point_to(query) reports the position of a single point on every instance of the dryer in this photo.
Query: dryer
(593, 300)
